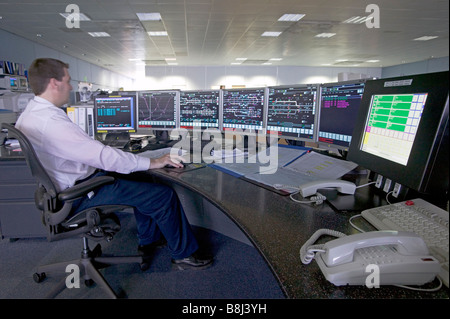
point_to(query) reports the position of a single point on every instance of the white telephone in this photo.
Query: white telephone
(342, 186)
(402, 258)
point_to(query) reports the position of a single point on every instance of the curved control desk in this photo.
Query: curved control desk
(277, 227)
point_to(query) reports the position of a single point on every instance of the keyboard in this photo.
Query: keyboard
(420, 217)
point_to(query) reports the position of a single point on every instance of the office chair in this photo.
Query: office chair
(96, 223)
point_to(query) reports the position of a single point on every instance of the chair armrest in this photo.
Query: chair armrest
(84, 188)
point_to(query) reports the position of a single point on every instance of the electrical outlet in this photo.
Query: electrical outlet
(387, 185)
(397, 189)
(379, 181)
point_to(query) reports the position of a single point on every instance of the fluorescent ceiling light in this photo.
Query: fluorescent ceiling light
(235, 63)
(241, 59)
(425, 38)
(275, 59)
(325, 35)
(291, 17)
(157, 33)
(81, 16)
(373, 61)
(267, 63)
(154, 16)
(357, 19)
(134, 59)
(172, 63)
(270, 34)
(99, 34)
(170, 59)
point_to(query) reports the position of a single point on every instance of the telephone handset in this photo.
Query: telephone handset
(402, 258)
(342, 186)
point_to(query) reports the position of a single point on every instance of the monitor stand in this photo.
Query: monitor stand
(117, 139)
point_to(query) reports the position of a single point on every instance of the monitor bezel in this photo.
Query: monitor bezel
(244, 131)
(295, 86)
(112, 130)
(152, 129)
(219, 110)
(322, 144)
(416, 173)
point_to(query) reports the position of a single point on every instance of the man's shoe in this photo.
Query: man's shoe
(147, 252)
(194, 261)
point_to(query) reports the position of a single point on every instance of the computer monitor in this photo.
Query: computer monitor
(199, 109)
(292, 112)
(158, 110)
(243, 110)
(115, 113)
(401, 132)
(339, 105)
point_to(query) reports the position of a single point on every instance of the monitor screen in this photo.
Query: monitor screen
(115, 113)
(158, 110)
(339, 105)
(243, 109)
(292, 112)
(199, 108)
(401, 132)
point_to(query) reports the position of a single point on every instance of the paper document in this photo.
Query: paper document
(318, 166)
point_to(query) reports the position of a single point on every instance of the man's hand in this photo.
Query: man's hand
(168, 159)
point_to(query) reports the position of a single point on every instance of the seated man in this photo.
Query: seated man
(69, 155)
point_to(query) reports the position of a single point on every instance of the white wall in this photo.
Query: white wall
(207, 77)
(428, 66)
(20, 50)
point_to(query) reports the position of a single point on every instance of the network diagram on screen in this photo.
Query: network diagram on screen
(243, 110)
(291, 111)
(199, 109)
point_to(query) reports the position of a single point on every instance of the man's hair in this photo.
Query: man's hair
(42, 70)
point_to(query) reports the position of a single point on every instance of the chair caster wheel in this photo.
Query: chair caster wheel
(144, 266)
(39, 277)
(89, 282)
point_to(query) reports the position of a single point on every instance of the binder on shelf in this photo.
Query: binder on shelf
(83, 116)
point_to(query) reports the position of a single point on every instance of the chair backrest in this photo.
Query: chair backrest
(37, 170)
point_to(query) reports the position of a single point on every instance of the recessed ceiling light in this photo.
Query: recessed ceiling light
(99, 34)
(291, 17)
(81, 16)
(153, 16)
(157, 33)
(425, 38)
(270, 34)
(325, 35)
(357, 20)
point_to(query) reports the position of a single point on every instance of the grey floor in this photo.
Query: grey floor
(238, 271)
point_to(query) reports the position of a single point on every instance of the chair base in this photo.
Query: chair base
(88, 266)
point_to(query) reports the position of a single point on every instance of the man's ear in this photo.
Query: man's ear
(53, 83)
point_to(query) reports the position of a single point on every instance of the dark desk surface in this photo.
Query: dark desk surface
(278, 227)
